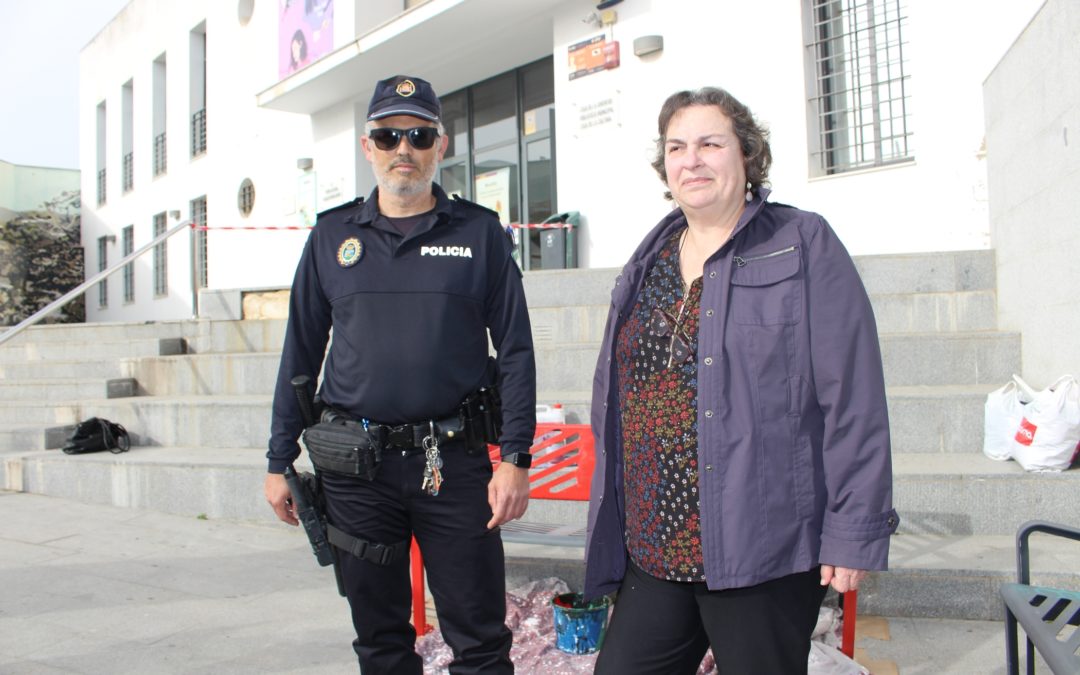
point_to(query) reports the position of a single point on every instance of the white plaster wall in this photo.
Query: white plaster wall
(1033, 136)
(243, 141)
(937, 202)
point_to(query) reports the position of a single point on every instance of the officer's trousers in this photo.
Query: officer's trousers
(463, 560)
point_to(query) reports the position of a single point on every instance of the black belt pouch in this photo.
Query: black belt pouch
(342, 447)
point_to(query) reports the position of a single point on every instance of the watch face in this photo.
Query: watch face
(520, 459)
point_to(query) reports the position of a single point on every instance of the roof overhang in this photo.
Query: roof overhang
(450, 43)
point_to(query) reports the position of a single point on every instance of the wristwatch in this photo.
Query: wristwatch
(519, 459)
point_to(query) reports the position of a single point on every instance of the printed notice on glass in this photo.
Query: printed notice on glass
(492, 189)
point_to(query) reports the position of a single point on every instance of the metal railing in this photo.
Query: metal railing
(89, 283)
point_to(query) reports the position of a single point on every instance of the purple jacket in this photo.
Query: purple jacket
(794, 459)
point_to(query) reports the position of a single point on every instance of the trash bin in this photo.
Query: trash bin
(558, 246)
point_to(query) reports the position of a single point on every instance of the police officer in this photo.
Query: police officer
(413, 284)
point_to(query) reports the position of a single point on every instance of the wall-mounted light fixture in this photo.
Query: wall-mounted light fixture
(175, 214)
(305, 163)
(648, 44)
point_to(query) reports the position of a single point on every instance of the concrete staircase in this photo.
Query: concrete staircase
(201, 419)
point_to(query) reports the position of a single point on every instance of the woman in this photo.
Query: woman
(740, 393)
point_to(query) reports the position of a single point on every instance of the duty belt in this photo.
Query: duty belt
(410, 436)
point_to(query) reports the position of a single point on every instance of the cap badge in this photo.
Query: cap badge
(350, 252)
(406, 88)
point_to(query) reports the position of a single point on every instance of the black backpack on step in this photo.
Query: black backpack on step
(97, 434)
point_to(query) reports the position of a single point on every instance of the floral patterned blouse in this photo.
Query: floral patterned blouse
(657, 374)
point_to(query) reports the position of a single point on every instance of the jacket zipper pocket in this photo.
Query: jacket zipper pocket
(741, 262)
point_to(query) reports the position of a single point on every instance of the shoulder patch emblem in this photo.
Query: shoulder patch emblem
(350, 252)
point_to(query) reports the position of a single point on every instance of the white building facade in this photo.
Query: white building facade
(875, 110)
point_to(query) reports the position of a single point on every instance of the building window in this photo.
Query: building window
(501, 150)
(101, 116)
(102, 265)
(161, 159)
(198, 89)
(160, 73)
(198, 132)
(245, 199)
(127, 120)
(859, 89)
(129, 172)
(128, 240)
(161, 259)
(198, 220)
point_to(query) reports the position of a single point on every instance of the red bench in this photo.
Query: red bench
(563, 459)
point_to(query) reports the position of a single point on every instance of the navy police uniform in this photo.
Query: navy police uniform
(411, 316)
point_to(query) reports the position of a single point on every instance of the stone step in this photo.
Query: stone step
(908, 359)
(51, 389)
(75, 350)
(934, 574)
(929, 576)
(63, 369)
(926, 420)
(956, 311)
(938, 272)
(201, 336)
(970, 494)
(950, 359)
(936, 495)
(958, 576)
(937, 419)
(106, 332)
(213, 422)
(897, 313)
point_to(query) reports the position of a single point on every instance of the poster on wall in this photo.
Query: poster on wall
(305, 33)
(590, 56)
(492, 189)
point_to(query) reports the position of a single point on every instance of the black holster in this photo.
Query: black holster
(481, 415)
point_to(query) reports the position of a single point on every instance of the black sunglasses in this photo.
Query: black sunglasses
(388, 138)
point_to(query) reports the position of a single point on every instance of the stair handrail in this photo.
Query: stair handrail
(89, 283)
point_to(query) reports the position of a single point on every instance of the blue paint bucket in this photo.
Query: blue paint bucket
(579, 625)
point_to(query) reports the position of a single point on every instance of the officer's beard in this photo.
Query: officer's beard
(407, 186)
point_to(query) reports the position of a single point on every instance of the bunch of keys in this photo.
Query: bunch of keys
(432, 475)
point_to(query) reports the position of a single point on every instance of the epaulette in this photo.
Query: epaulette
(347, 205)
(465, 202)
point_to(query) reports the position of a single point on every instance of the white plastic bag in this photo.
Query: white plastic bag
(1048, 434)
(826, 660)
(1003, 411)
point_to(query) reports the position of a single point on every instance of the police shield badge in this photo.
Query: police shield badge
(349, 252)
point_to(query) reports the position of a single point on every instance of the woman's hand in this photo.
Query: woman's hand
(843, 579)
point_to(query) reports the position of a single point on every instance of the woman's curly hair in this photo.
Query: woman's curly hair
(753, 137)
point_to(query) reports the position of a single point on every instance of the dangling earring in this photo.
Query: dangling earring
(749, 194)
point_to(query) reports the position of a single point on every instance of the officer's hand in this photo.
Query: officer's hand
(508, 494)
(277, 493)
